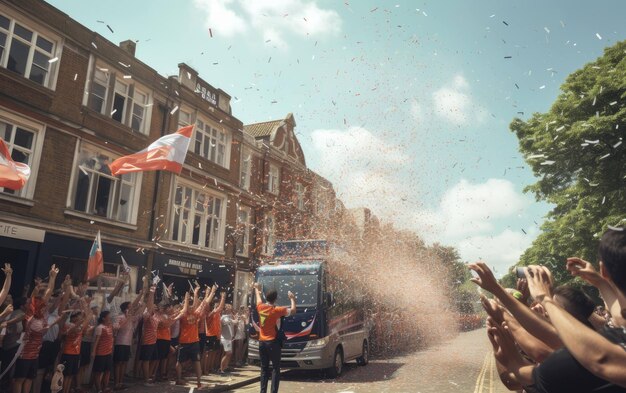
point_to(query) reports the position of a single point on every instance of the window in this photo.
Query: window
(269, 235)
(99, 89)
(246, 169)
(184, 118)
(299, 190)
(211, 143)
(24, 143)
(113, 95)
(197, 218)
(140, 100)
(273, 180)
(26, 52)
(243, 230)
(97, 192)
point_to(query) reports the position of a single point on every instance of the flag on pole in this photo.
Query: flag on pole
(13, 175)
(95, 264)
(166, 154)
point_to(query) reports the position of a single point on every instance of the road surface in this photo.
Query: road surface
(463, 364)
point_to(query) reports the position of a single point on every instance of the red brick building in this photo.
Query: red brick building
(71, 102)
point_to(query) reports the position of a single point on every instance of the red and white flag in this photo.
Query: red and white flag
(95, 264)
(165, 154)
(13, 175)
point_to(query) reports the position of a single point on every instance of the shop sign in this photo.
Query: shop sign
(206, 93)
(21, 232)
(185, 267)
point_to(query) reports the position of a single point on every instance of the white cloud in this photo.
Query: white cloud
(220, 18)
(468, 208)
(273, 20)
(500, 251)
(454, 104)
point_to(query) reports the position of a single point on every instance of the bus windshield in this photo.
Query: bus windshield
(303, 286)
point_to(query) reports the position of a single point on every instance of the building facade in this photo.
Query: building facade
(71, 102)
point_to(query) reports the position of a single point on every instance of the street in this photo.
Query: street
(463, 364)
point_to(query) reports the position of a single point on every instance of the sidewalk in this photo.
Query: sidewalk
(241, 376)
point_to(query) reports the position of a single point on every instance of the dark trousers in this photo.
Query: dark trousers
(269, 351)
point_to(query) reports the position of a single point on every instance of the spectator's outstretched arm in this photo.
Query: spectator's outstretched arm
(8, 273)
(292, 298)
(150, 301)
(594, 352)
(184, 309)
(118, 287)
(586, 271)
(257, 292)
(538, 327)
(532, 346)
(514, 371)
(208, 298)
(196, 297)
(536, 349)
(53, 276)
(220, 306)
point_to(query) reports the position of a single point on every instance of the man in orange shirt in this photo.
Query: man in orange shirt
(269, 347)
(213, 333)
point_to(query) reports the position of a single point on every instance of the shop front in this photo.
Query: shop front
(20, 246)
(70, 255)
(184, 270)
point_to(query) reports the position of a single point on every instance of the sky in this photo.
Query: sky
(403, 105)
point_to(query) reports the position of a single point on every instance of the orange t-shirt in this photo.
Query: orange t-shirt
(163, 328)
(268, 316)
(71, 344)
(214, 324)
(189, 329)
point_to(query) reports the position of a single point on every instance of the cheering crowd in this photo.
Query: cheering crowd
(549, 339)
(52, 338)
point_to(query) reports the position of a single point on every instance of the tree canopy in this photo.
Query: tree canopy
(576, 151)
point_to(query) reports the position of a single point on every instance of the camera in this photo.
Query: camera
(520, 272)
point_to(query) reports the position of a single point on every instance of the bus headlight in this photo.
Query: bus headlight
(319, 343)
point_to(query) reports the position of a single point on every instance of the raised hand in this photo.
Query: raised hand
(522, 286)
(539, 282)
(54, 271)
(492, 309)
(291, 295)
(585, 270)
(486, 280)
(7, 269)
(256, 286)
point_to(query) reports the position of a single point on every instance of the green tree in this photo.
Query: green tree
(576, 151)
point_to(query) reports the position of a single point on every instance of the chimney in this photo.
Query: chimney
(129, 46)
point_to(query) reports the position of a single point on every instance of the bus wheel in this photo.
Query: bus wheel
(365, 357)
(337, 368)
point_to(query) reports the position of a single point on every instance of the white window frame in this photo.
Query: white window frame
(218, 243)
(39, 129)
(53, 68)
(246, 169)
(116, 79)
(300, 193)
(273, 179)
(138, 177)
(269, 233)
(211, 137)
(181, 122)
(243, 230)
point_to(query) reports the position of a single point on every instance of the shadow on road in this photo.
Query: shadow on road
(374, 372)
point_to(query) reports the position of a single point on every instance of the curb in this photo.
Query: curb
(235, 385)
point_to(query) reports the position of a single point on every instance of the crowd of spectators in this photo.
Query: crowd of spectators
(556, 339)
(74, 338)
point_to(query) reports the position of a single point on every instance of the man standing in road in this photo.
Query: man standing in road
(269, 347)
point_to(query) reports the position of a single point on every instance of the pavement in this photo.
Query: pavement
(238, 378)
(462, 364)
